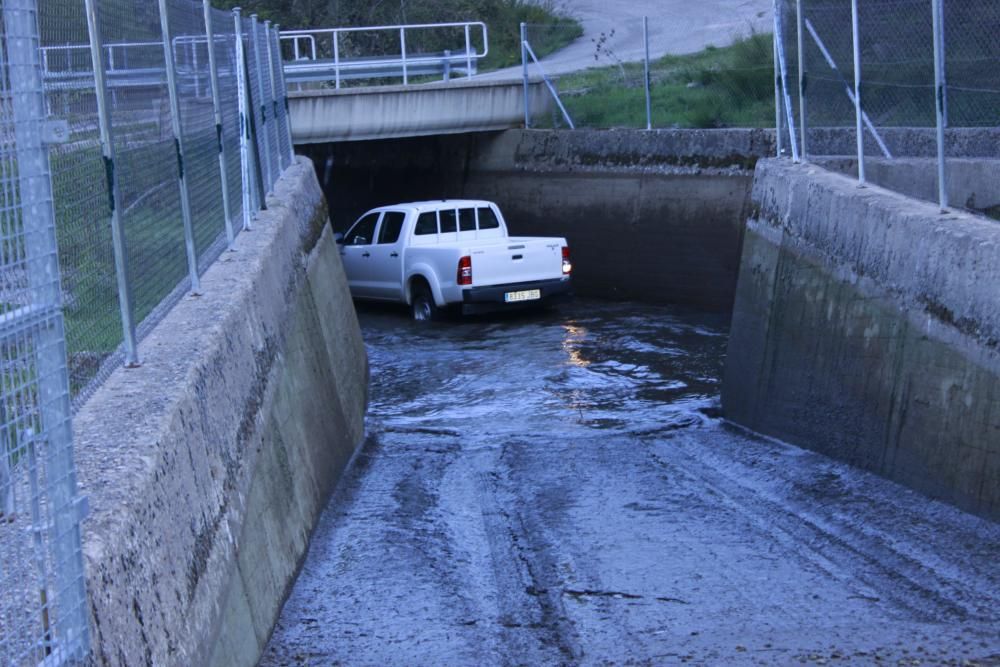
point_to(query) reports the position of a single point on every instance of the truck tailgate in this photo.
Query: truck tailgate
(517, 260)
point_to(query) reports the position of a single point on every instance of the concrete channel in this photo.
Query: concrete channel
(576, 487)
(765, 433)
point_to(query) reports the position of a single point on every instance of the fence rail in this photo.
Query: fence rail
(137, 139)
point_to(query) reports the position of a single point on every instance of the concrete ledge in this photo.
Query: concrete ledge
(207, 467)
(867, 326)
(359, 114)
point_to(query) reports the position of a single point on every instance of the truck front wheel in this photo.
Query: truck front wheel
(423, 307)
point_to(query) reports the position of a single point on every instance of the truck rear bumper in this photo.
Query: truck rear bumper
(494, 298)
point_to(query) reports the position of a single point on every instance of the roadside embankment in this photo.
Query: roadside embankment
(867, 327)
(207, 467)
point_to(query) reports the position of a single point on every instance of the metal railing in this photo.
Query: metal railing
(384, 52)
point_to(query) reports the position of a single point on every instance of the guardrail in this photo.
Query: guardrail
(339, 54)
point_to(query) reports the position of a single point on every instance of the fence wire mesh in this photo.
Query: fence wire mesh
(43, 615)
(145, 160)
(70, 176)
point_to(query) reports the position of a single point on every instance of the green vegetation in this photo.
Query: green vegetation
(716, 87)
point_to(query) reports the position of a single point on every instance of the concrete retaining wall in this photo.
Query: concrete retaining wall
(973, 184)
(867, 327)
(207, 467)
(652, 216)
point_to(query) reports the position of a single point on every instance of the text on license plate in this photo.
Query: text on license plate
(524, 295)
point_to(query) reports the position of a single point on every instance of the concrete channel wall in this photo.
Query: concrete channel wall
(867, 327)
(207, 467)
(651, 216)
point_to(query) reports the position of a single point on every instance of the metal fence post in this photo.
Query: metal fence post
(122, 280)
(468, 52)
(246, 167)
(213, 67)
(262, 130)
(779, 124)
(175, 121)
(402, 46)
(524, 73)
(856, 45)
(649, 101)
(779, 31)
(284, 100)
(803, 81)
(940, 100)
(27, 100)
(336, 58)
(278, 156)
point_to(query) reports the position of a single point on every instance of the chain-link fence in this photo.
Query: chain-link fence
(926, 88)
(136, 139)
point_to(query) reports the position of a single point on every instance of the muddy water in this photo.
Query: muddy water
(558, 488)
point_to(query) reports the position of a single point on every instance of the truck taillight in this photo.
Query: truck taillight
(567, 265)
(465, 271)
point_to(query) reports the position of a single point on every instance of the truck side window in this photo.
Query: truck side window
(449, 221)
(363, 232)
(392, 225)
(467, 219)
(487, 218)
(426, 224)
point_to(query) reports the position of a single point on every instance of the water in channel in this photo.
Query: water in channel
(559, 488)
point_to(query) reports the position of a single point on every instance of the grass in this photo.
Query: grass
(717, 87)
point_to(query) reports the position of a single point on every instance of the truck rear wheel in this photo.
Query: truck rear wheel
(423, 307)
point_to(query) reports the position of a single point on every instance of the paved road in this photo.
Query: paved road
(675, 26)
(558, 490)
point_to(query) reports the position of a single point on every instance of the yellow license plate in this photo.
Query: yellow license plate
(524, 295)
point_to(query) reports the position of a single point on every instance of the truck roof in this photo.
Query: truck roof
(437, 204)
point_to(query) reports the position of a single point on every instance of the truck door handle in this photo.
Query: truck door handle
(395, 254)
(366, 254)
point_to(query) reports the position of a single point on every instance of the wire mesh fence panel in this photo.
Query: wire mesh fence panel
(897, 71)
(189, 44)
(93, 325)
(224, 31)
(282, 120)
(270, 126)
(257, 109)
(972, 67)
(145, 154)
(42, 605)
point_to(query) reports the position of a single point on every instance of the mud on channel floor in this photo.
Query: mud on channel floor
(558, 488)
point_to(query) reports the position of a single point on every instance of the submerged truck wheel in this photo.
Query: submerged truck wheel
(423, 307)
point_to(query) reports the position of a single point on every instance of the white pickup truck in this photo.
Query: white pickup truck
(439, 254)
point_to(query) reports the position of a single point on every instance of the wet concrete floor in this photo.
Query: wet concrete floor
(558, 489)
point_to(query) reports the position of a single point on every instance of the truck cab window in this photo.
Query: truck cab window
(467, 219)
(487, 218)
(426, 224)
(392, 225)
(363, 232)
(449, 221)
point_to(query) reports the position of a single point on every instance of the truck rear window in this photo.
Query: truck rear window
(426, 224)
(467, 219)
(488, 219)
(449, 221)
